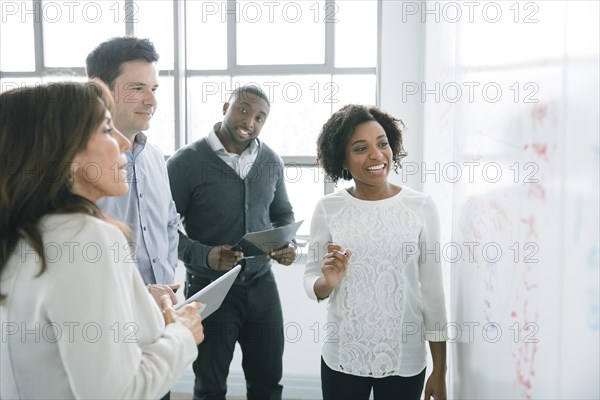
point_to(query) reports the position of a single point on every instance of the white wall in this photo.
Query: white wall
(401, 66)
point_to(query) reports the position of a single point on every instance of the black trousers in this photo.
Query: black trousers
(250, 315)
(338, 385)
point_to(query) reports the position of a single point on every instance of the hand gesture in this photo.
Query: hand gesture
(335, 264)
(284, 256)
(186, 315)
(224, 257)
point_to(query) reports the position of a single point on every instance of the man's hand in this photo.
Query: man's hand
(284, 256)
(223, 258)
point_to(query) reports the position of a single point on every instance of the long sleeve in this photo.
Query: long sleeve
(148, 210)
(95, 331)
(193, 252)
(391, 289)
(317, 248)
(190, 251)
(173, 235)
(280, 210)
(122, 351)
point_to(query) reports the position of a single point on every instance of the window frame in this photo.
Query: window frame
(182, 118)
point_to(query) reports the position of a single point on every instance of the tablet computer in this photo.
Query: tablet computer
(213, 294)
(263, 242)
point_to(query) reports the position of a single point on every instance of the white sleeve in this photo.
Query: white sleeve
(117, 346)
(317, 248)
(430, 273)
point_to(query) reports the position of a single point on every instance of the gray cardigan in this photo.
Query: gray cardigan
(218, 207)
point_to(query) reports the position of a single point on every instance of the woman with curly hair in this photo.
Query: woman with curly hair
(77, 320)
(384, 300)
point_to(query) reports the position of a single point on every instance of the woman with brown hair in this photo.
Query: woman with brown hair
(77, 320)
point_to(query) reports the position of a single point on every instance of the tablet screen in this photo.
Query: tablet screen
(214, 293)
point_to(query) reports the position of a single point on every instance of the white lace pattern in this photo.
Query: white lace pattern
(372, 298)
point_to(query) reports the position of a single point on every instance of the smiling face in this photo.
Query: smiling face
(243, 121)
(135, 97)
(99, 170)
(368, 157)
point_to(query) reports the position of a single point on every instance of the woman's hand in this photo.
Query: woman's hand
(186, 315)
(157, 291)
(335, 264)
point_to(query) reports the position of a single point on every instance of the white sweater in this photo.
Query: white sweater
(392, 297)
(87, 327)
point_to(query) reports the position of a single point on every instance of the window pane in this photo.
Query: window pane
(273, 32)
(16, 37)
(359, 89)
(162, 125)
(300, 105)
(206, 96)
(305, 186)
(14, 83)
(206, 35)
(72, 29)
(155, 22)
(355, 33)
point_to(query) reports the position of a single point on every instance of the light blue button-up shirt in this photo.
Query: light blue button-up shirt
(149, 211)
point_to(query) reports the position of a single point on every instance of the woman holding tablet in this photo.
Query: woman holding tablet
(77, 320)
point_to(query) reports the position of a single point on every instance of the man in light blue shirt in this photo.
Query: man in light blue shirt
(128, 66)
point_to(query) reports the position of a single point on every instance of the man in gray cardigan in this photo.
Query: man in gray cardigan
(225, 185)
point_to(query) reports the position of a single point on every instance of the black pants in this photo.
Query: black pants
(250, 315)
(338, 385)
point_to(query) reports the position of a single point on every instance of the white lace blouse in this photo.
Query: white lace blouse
(392, 298)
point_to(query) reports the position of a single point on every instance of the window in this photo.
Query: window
(271, 33)
(310, 56)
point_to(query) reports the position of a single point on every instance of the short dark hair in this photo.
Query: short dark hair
(249, 93)
(336, 132)
(106, 60)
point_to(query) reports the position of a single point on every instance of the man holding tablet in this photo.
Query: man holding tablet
(224, 186)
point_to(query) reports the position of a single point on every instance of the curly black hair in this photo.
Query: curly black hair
(336, 132)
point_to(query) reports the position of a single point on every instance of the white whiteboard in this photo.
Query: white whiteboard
(514, 166)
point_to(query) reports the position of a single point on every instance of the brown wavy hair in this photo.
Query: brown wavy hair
(42, 129)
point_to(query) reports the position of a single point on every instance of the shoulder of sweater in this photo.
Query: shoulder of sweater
(189, 150)
(269, 152)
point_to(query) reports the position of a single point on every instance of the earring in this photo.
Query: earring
(346, 174)
(70, 182)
